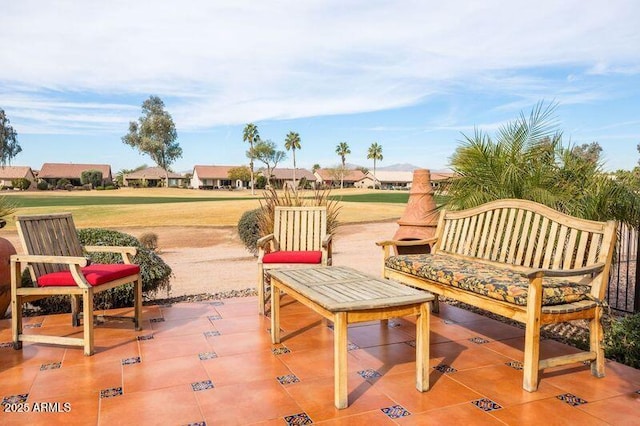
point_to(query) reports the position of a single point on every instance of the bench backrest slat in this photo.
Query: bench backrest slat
(526, 234)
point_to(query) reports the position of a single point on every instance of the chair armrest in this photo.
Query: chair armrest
(327, 241)
(111, 249)
(67, 260)
(262, 242)
(559, 273)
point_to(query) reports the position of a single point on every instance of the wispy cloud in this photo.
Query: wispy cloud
(229, 62)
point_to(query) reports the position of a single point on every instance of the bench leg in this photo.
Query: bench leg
(531, 366)
(261, 289)
(341, 396)
(595, 344)
(87, 307)
(275, 314)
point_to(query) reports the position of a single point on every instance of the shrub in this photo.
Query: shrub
(61, 183)
(21, 183)
(149, 240)
(155, 273)
(91, 177)
(42, 185)
(622, 340)
(249, 230)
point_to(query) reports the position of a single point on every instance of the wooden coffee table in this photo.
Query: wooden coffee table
(344, 296)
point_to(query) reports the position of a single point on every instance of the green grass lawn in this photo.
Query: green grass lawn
(25, 201)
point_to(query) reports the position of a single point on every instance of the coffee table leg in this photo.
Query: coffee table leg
(422, 348)
(340, 359)
(275, 312)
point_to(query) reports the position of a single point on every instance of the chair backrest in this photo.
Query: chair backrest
(300, 228)
(48, 235)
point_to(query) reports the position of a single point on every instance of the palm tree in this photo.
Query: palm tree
(375, 154)
(527, 160)
(251, 135)
(292, 142)
(342, 150)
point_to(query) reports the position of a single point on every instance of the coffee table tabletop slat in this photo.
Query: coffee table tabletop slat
(340, 289)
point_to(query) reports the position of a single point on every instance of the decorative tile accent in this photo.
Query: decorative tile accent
(4, 345)
(448, 322)
(395, 411)
(281, 350)
(638, 391)
(330, 326)
(200, 386)
(111, 392)
(478, 340)
(517, 365)
(145, 337)
(33, 325)
(217, 303)
(211, 333)
(198, 424)
(411, 343)
(571, 399)
(352, 346)
(298, 419)
(131, 361)
(369, 374)
(215, 317)
(486, 404)
(51, 366)
(207, 355)
(444, 368)
(15, 399)
(156, 320)
(288, 379)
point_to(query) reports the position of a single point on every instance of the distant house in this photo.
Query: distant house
(284, 177)
(387, 180)
(53, 172)
(438, 177)
(9, 173)
(153, 177)
(331, 177)
(215, 177)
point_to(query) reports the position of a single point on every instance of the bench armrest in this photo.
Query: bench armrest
(126, 252)
(559, 273)
(406, 243)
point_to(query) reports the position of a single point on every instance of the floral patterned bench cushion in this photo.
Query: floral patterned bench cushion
(488, 280)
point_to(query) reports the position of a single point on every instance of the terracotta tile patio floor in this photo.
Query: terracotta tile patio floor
(212, 363)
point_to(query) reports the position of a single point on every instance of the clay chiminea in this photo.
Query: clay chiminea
(420, 218)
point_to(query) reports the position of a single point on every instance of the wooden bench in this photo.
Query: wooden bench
(521, 260)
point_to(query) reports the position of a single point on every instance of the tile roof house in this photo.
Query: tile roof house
(215, 177)
(52, 172)
(9, 173)
(332, 177)
(153, 177)
(282, 177)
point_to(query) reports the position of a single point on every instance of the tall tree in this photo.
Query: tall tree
(9, 146)
(266, 152)
(251, 135)
(291, 143)
(342, 150)
(375, 154)
(155, 134)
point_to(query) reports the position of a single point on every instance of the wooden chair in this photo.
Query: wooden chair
(55, 258)
(299, 237)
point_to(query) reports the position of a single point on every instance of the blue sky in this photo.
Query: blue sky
(413, 76)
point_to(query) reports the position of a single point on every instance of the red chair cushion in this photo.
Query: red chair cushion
(293, 257)
(95, 274)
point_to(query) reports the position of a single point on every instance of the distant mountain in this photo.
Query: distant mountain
(401, 167)
(405, 167)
